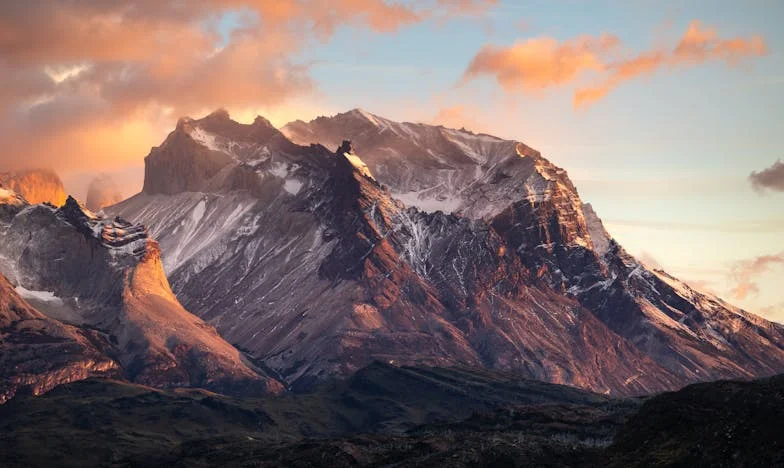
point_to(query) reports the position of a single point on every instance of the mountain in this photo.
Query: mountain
(534, 206)
(35, 185)
(38, 353)
(102, 192)
(97, 277)
(421, 245)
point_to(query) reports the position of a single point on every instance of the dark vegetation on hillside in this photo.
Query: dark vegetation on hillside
(386, 415)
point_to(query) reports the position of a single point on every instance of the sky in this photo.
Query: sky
(666, 115)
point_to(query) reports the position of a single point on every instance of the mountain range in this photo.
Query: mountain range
(329, 244)
(257, 260)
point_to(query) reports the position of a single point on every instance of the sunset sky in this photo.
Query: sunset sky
(668, 118)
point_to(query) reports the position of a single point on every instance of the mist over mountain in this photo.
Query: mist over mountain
(35, 185)
(102, 192)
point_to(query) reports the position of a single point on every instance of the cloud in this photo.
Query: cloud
(745, 273)
(98, 82)
(771, 178)
(705, 286)
(545, 62)
(102, 192)
(773, 312)
(698, 45)
(466, 7)
(649, 260)
(540, 63)
(456, 117)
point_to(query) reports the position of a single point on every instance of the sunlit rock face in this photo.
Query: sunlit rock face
(105, 275)
(421, 245)
(35, 185)
(102, 192)
(37, 353)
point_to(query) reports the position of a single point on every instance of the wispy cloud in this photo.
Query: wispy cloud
(773, 312)
(545, 62)
(457, 117)
(744, 274)
(771, 178)
(540, 63)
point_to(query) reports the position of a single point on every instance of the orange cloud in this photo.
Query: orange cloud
(744, 274)
(698, 45)
(467, 7)
(457, 117)
(545, 62)
(542, 62)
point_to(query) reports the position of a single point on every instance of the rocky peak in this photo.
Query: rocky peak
(119, 236)
(35, 185)
(203, 155)
(345, 148)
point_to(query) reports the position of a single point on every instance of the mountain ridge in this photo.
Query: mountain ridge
(317, 265)
(95, 273)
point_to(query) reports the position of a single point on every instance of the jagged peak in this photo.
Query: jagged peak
(365, 115)
(347, 151)
(120, 236)
(218, 114)
(262, 121)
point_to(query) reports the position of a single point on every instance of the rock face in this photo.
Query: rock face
(38, 353)
(106, 274)
(102, 192)
(35, 185)
(421, 245)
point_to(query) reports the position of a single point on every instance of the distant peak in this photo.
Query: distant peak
(260, 121)
(220, 113)
(365, 115)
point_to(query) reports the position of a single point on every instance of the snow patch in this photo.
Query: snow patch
(198, 212)
(359, 165)
(205, 138)
(259, 156)
(43, 296)
(279, 170)
(292, 186)
(429, 204)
